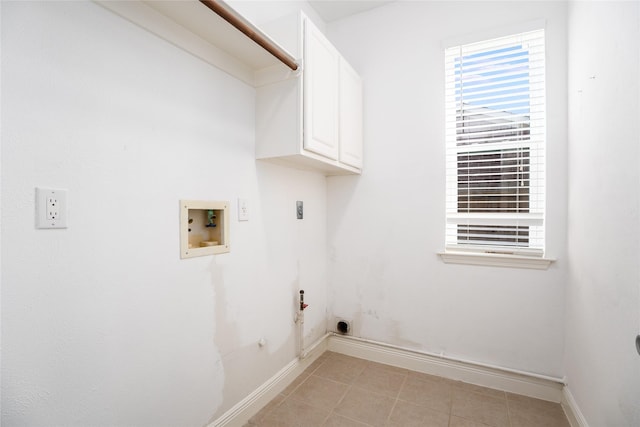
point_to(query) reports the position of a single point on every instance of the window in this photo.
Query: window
(495, 146)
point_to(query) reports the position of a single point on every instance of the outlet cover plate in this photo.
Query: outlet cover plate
(243, 209)
(299, 209)
(51, 208)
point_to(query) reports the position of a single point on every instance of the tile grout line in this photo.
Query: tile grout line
(311, 374)
(353, 419)
(506, 398)
(451, 403)
(349, 387)
(395, 403)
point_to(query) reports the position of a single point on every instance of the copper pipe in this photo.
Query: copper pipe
(232, 17)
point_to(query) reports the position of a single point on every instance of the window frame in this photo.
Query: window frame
(498, 255)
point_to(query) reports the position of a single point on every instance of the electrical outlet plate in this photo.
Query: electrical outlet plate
(299, 209)
(243, 209)
(51, 208)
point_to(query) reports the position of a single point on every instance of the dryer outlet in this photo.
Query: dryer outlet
(342, 326)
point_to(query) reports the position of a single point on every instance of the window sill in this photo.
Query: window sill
(495, 260)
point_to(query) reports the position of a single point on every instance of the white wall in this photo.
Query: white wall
(386, 226)
(603, 295)
(102, 323)
(261, 12)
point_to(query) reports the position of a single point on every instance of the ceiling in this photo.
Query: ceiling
(332, 10)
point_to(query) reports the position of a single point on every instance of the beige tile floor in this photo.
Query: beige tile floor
(342, 391)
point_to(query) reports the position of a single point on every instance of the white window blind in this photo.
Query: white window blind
(495, 145)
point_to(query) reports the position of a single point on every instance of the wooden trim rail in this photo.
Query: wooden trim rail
(245, 27)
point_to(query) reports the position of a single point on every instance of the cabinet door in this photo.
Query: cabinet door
(350, 116)
(320, 93)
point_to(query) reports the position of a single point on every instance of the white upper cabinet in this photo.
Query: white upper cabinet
(320, 93)
(312, 119)
(350, 116)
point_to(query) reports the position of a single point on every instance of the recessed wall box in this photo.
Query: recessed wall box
(204, 228)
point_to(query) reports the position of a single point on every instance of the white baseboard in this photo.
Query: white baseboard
(572, 410)
(242, 412)
(520, 383)
(527, 385)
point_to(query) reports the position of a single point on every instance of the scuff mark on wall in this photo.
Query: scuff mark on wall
(397, 330)
(220, 324)
(225, 333)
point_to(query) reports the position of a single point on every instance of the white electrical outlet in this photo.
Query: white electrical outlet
(243, 210)
(51, 208)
